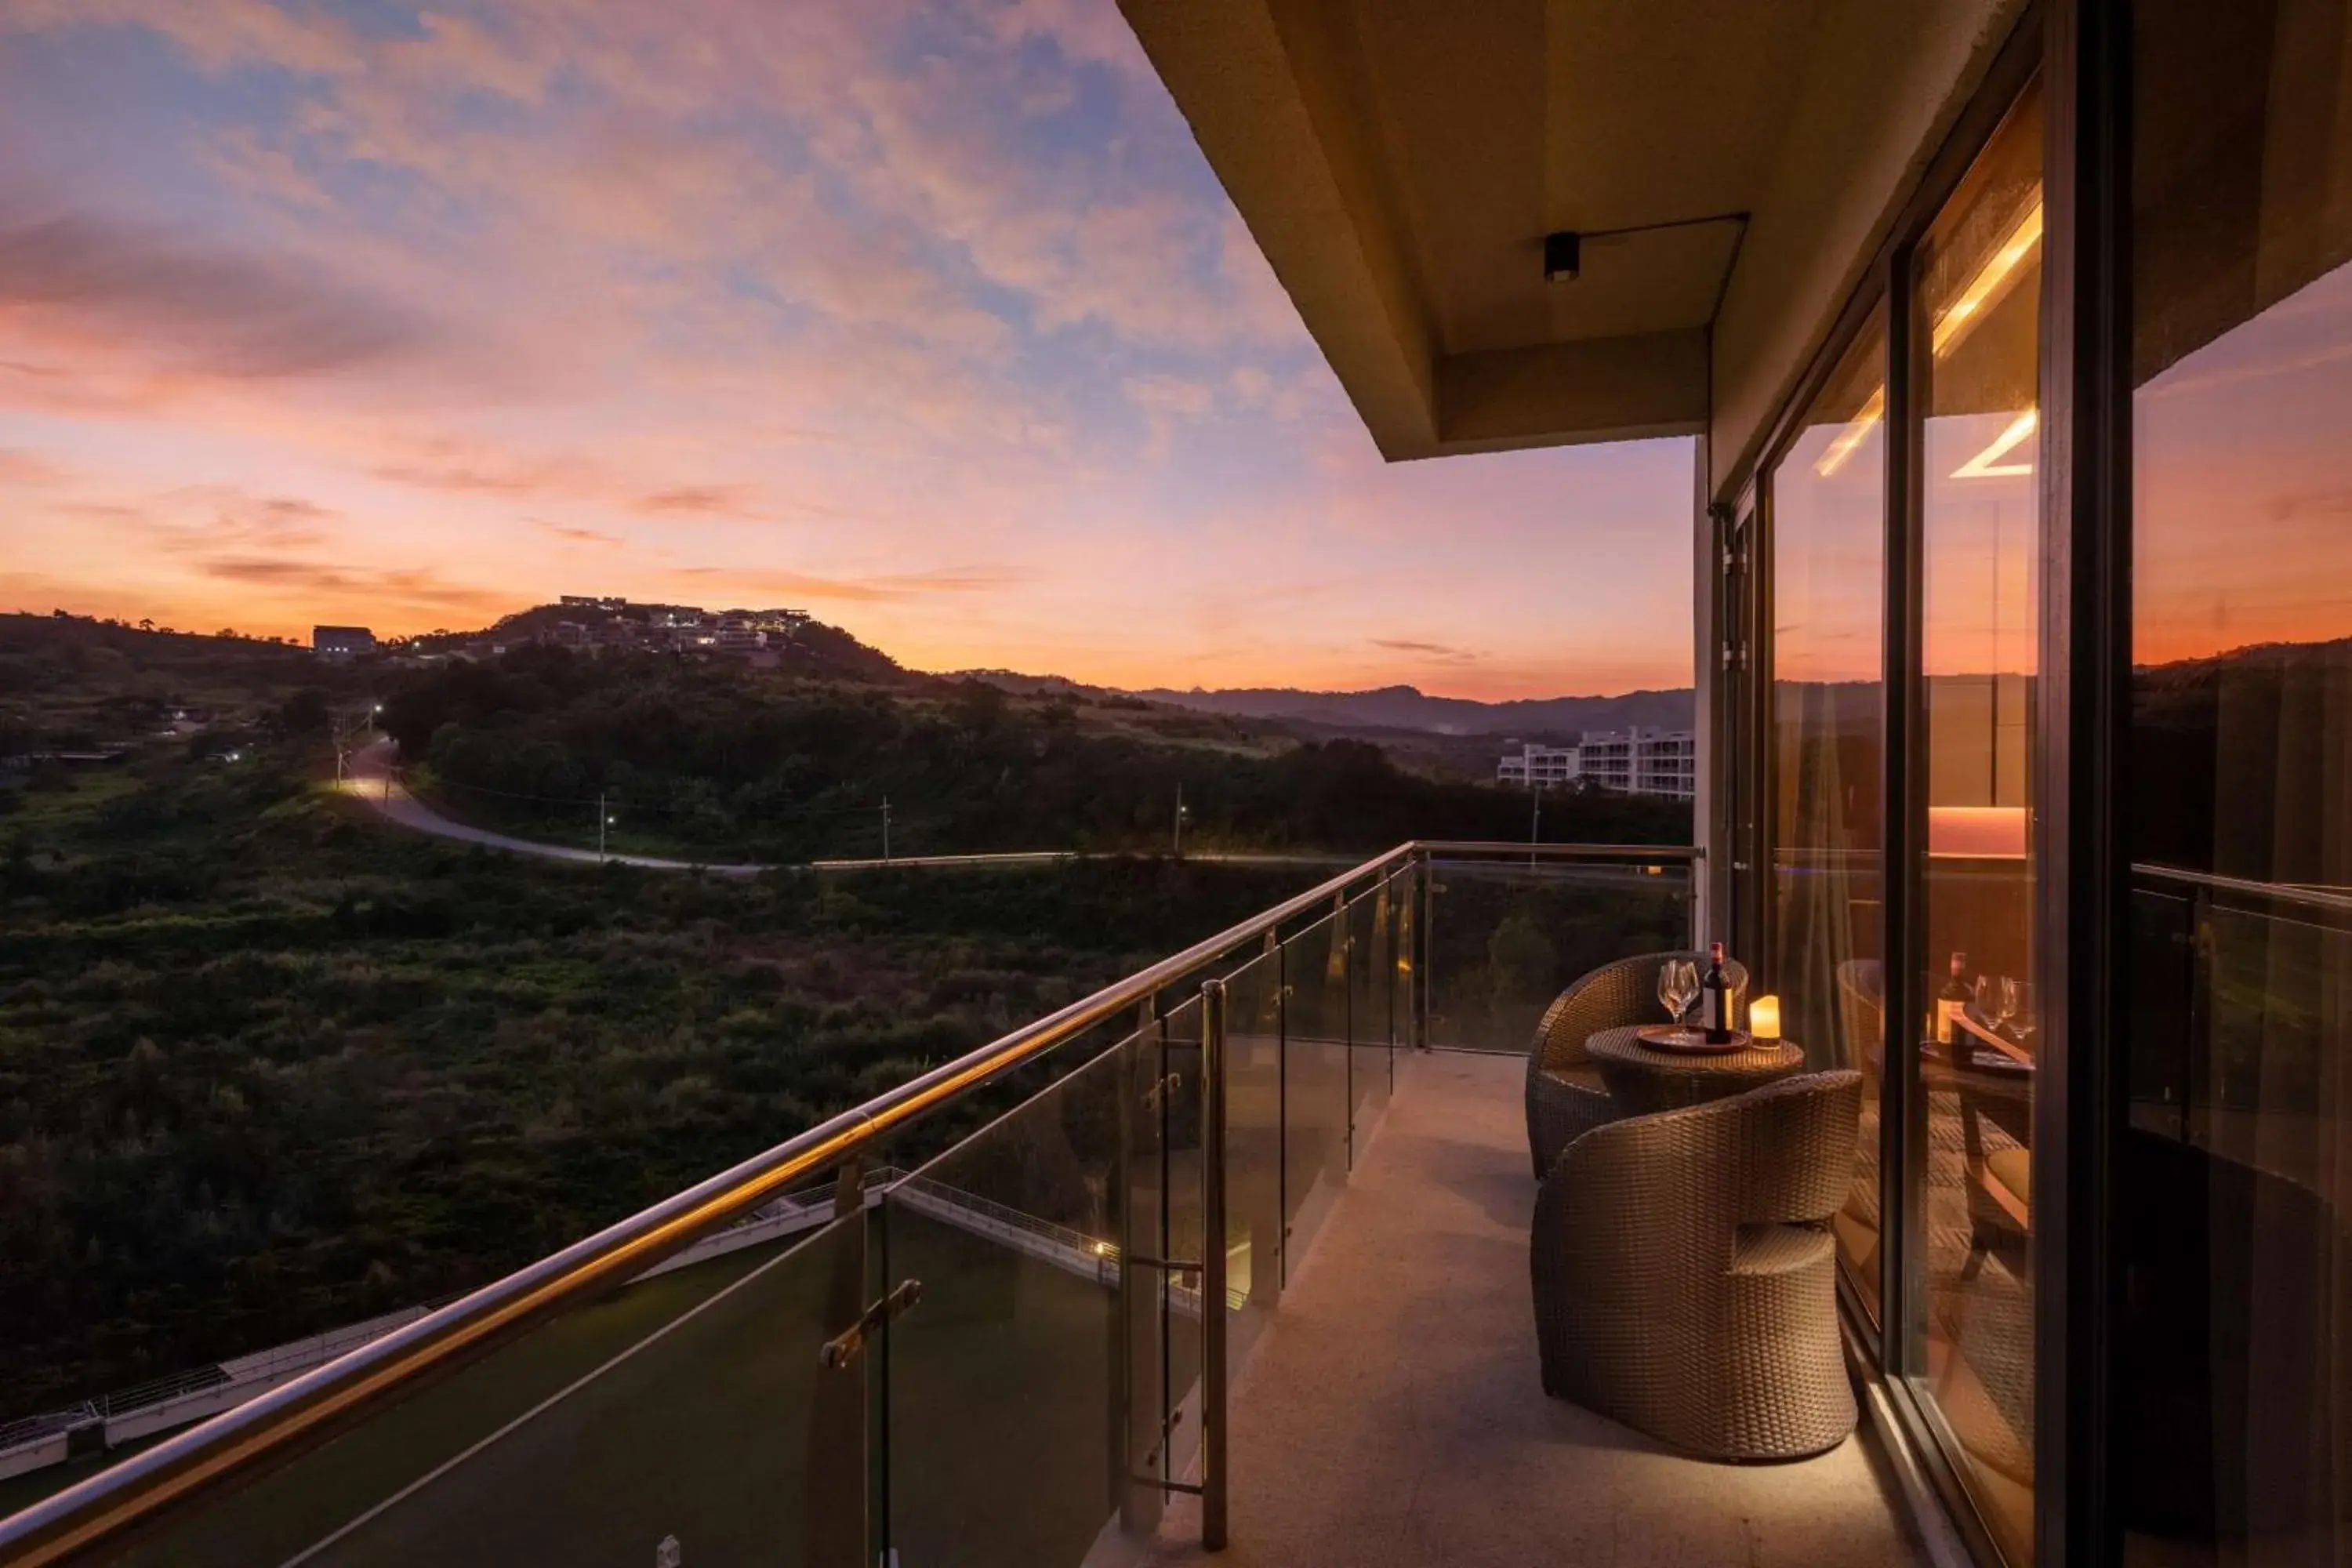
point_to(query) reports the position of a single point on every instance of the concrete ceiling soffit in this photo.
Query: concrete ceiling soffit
(1266, 87)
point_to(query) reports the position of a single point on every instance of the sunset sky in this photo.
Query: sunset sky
(927, 317)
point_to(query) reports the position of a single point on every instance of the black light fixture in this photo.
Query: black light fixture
(1562, 255)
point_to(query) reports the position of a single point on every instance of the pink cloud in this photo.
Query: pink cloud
(828, 300)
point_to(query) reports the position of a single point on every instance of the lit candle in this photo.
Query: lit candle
(1764, 1017)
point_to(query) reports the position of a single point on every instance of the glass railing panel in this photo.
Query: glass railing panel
(1314, 1068)
(2234, 1219)
(1405, 894)
(691, 1406)
(1369, 1070)
(1254, 1148)
(1506, 936)
(1018, 1386)
(2164, 1002)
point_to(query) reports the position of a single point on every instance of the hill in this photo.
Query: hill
(768, 640)
(700, 758)
(1408, 708)
(2249, 745)
(1393, 708)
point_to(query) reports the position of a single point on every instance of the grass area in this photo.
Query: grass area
(267, 1066)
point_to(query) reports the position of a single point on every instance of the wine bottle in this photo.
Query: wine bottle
(1715, 999)
(1952, 1000)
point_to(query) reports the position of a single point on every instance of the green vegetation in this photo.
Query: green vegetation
(714, 760)
(267, 1066)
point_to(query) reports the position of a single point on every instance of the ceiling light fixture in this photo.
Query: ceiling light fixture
(1563, 255)
(1987, 464)
(1991, 281)
(1864, 418)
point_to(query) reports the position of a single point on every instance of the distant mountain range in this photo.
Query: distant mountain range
(1396, 707)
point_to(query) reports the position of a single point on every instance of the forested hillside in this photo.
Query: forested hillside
(773, 768)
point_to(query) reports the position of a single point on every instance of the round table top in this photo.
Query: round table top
(1647, 1080)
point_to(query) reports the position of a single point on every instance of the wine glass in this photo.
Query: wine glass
(1677, 986)
(2017, 1006)
(1987, 1003)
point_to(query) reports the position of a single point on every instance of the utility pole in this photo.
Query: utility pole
(885, 828)
(1178, 844)
(1535, 828)
(345, 733)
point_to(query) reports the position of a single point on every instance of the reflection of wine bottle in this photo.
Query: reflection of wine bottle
(1952, 1000)
(1715, 999)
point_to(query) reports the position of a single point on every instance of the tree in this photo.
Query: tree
(1521, 962)
(306, 712)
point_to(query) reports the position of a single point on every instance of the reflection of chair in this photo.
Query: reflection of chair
(1861, 1030)
(1862, 1017)
(1999, 1172)
(1984, 1380)
(1565, 1097)
(1684, 1281)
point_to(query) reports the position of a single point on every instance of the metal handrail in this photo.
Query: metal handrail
(1441, 848)
(2328, 900)
(304, 1409)
(311, 1408)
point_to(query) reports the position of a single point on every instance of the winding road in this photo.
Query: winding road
(370, 778)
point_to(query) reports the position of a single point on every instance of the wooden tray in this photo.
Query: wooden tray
(1689, 1042)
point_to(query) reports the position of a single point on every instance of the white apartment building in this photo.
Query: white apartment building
(1630, 762)
(1665, 763)
(1539, 767)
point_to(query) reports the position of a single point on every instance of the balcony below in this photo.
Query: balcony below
(1391, 1413)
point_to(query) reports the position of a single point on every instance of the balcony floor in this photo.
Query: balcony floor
(1393, 1414)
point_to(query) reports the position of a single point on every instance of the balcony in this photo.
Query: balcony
(1393, 1415)
(983, 1338)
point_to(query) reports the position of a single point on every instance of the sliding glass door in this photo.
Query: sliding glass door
(1975, 298)
(1949, 1067)
(1823, 910)
(2234, 1437)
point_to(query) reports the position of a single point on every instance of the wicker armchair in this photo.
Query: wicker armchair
(1684, 1281)
(1565, 1096)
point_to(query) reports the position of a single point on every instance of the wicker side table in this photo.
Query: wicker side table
(1641, 1079)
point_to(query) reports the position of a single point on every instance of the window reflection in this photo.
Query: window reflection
(1828, 556)
(1977, 294)
(2235, 1438)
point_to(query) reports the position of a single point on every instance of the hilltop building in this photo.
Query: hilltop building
(342, 642)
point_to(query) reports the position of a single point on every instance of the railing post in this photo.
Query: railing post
(1417, 954)
(1426, 936)
(1216, 1443)
(1137, 1359)
(838, 1461)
